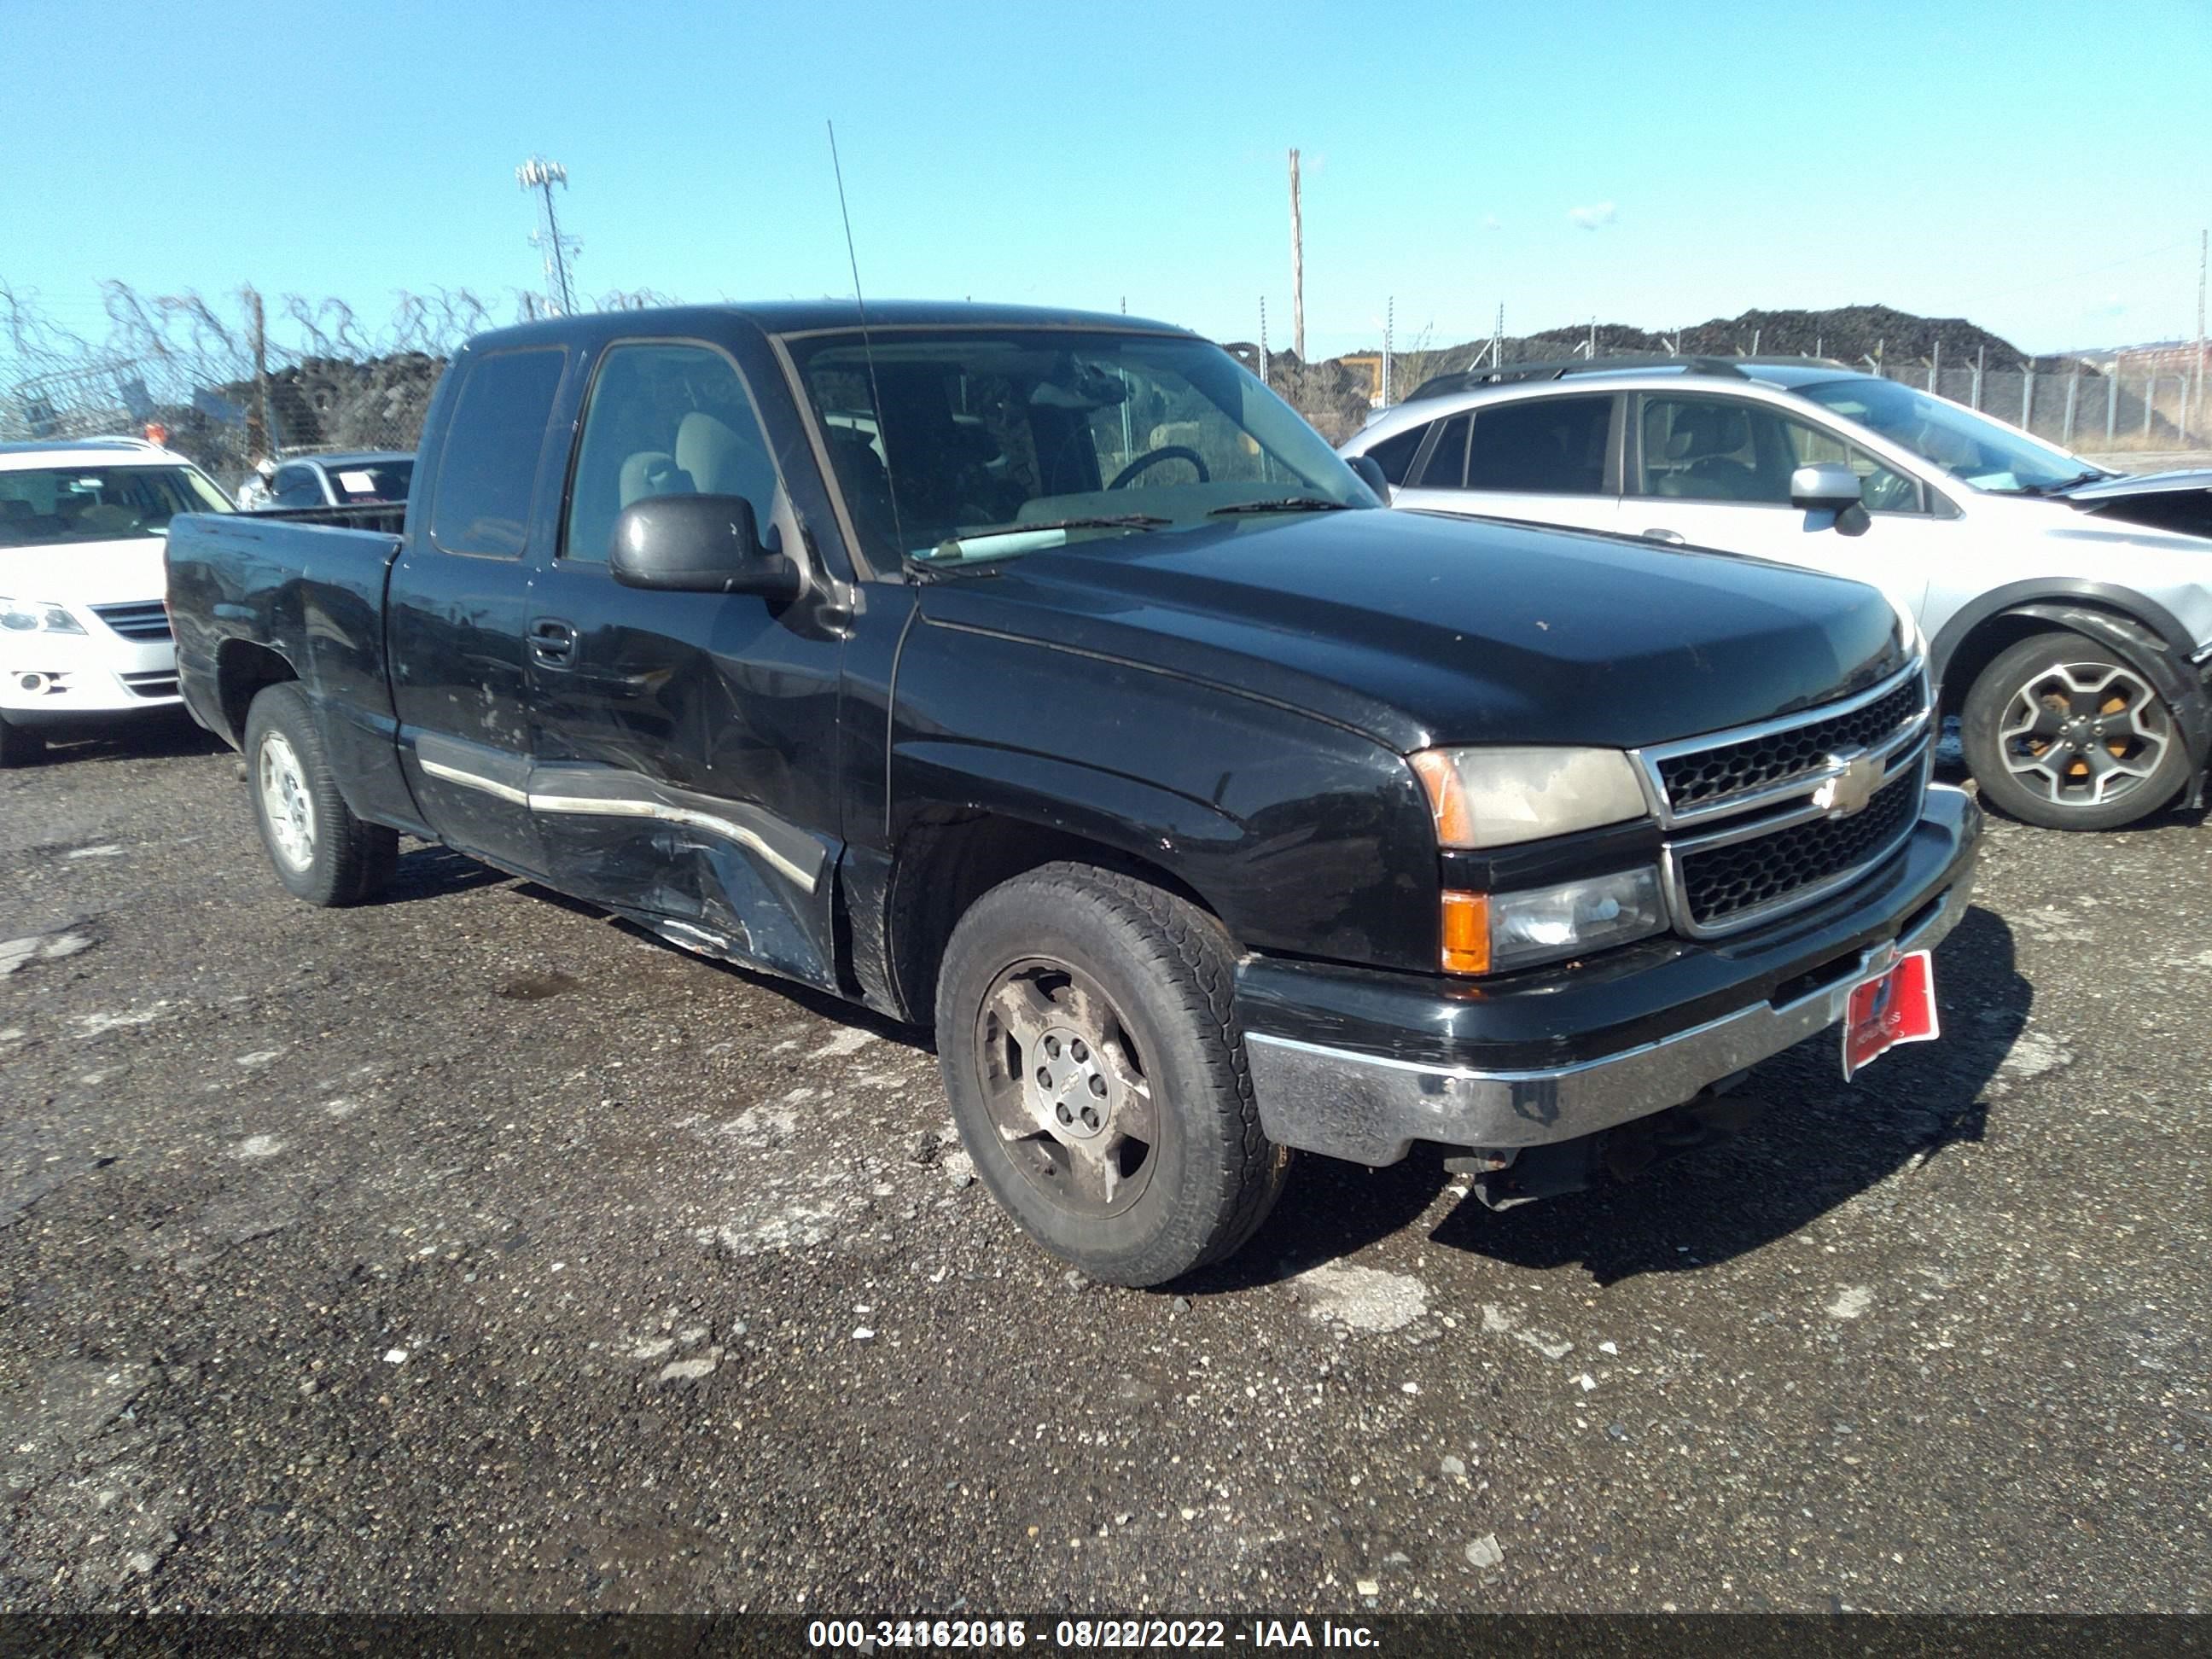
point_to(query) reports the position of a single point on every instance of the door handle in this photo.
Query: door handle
(1673, 537)
(552, 642)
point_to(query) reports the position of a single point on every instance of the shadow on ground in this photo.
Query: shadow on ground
(1820, 1142)
(140, 737)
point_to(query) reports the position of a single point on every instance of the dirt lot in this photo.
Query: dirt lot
(472, 1251)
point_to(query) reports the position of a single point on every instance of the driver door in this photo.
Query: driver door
(1713, 472)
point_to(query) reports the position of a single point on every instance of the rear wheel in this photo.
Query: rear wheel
(1089, 1049)
(321, 851)
(19, 745)
(2060, 732)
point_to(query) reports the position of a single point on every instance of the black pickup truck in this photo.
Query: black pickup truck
(1043, 677)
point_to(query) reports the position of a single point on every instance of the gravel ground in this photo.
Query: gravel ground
(472, 1251)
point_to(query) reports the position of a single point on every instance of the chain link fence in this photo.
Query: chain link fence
(210, 382)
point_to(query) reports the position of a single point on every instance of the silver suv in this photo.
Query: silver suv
(2074, 645)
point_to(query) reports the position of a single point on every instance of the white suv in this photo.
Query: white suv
(2070, 624)
(84, 636)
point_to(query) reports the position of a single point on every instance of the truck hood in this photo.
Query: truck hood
(82, 573)
(1420, 630)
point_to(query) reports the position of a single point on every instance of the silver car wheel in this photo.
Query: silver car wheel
(2081, 734)
(286, 806)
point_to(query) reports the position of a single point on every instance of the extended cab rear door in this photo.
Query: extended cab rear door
(457, 601)
(684, 745)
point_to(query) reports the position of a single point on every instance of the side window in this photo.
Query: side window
(1880, 490)
(1394, 455)
(1542, 445)
(1715, 449)
(489, 461)
(665, 420)
(294, 486)
(1446, 467)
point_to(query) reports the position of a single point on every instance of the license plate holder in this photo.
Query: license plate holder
(1897, 1005)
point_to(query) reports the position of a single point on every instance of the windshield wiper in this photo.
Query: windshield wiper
(1286, 504)
(1095, 521)
(2063, 484)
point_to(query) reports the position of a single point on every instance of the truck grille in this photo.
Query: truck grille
(1711, 775)
(145, 622)
(1725, 882)
(1765, 819)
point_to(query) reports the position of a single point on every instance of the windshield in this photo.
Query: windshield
(51, 506)
(1969, 446)
(369, 481)
(990, 442)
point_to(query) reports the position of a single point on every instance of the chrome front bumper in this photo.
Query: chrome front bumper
(1369, 1108)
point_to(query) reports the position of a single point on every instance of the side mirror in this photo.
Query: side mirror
(698, 544)
(1368, 472)
(1827, 487)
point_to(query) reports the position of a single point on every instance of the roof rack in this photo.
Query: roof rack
(1560, 368)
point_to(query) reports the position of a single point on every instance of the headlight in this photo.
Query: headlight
(1909, 631)
(1492, 932)
(36, 616)
(1501, 797)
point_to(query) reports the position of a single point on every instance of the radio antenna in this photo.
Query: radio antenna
(867, 346)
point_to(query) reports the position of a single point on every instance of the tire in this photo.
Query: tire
(19, 746)
(2061, 732)
(320, 851)
(1120, 995)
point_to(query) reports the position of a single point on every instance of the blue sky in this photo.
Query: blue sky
(2041, 168)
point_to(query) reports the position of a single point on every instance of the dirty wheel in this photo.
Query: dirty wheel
(1088, 1043)
(2059, 732)
(19, 746)
(322, 852)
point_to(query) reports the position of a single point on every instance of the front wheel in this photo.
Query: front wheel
(1097, 1076)
(2060, 732)
(322, 852)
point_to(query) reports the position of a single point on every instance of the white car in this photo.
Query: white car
(2069, 618)
(84, 635)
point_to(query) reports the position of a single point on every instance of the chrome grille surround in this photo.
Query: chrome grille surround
(1782, 792)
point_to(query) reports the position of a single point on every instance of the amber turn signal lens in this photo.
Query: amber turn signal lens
(1447, 800)
(1467, 932)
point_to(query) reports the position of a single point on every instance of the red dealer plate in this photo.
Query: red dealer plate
(1896, 1005)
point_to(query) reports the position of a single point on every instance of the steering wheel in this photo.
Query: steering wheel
(1153, 458)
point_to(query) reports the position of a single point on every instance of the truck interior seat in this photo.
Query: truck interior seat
(653, 472)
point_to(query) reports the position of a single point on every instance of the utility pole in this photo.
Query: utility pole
(1389, 318)
(258, 440)
(1297, 269)
(1263, 341)
(2196, 392)
(541, 175)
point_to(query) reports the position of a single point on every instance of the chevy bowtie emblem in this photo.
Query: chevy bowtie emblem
(1850, 788)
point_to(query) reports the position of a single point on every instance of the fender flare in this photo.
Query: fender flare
(2150, 656)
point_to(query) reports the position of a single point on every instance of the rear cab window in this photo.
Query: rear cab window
(487, 469)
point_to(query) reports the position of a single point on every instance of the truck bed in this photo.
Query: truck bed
(303, 596)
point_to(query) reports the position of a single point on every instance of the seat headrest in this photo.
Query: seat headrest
(651, 472)
(1703, 430)
(720, 460)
